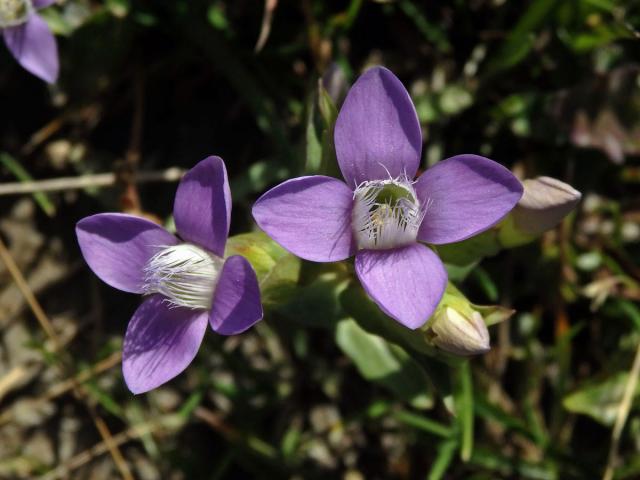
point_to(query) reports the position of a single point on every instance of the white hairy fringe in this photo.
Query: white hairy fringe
(379, 225)
(185, 274)
(14, 12)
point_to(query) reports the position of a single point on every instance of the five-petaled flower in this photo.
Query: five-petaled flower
(28, 37)
(187, 281)
(381, 214)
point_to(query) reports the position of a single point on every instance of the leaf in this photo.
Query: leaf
(444, 456)
(370, 318)
(423, 423)
(601, 400)
(461, 257)
(463, 398)
(521, 39)
(258, 177)
(313, 150)
(385, 364)
(317, 304)
(43, 200)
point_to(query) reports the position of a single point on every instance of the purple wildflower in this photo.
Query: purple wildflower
(381, 214)
(28, 37)
(187, 279)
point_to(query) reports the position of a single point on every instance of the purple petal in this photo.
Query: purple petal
(377, 132)
(464, 196)
(236, 303)
(118, 246)
(202, 208)
(161, 341)
(38, 4)
(34, 47)
(406, 283)
(310, 217)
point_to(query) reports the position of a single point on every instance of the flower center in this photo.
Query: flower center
(386, 214)
(185, 274)
(14, 12)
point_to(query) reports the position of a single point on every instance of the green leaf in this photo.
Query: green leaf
(521, 39)
(313, 150)
(463, 397)
(43, 200)
(317, 304)
(258, 177)
(461, 257)
(320, 150)
(217, 17)
(370, 318)
(385, 364)
(444, 456)
(600, 400)
(423, 423)
(104, 399)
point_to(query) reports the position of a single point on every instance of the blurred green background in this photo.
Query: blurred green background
(546, 87)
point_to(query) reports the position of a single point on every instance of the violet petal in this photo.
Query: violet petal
(236, 303)
(310, 217)
(377, 131)
(117, 246)
(406, 283)
(161, 341)
(34, 47)
(202, 207)
(464, 195)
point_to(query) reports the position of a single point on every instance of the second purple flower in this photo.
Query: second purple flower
(381, 214)
(187, 281)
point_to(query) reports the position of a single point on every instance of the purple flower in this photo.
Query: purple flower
(381, 214)
(28, 37)
(187, 280)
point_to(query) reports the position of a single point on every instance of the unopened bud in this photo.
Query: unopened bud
(545, 202)
(460, 334)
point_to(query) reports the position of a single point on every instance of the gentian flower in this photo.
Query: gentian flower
(186, 279)
(381, 215)
(28, 37)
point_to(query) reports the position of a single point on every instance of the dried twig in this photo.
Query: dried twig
(267, 21)
(137, 431)
(87, 181)
(78, 392)
(65, 385)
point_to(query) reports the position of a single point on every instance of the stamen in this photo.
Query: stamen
(185, 274)
(386, 213)
(14, 12)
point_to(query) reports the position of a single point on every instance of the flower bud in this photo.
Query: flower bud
(545, 202)
(460, 334)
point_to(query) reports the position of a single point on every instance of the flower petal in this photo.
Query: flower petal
(377, 132)
(310, 217)
(464, 196)
(406, 283)
(34, 47)
(202, 208)
(236, 303)
(38, 4)
(118, 246)
(161, 341)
